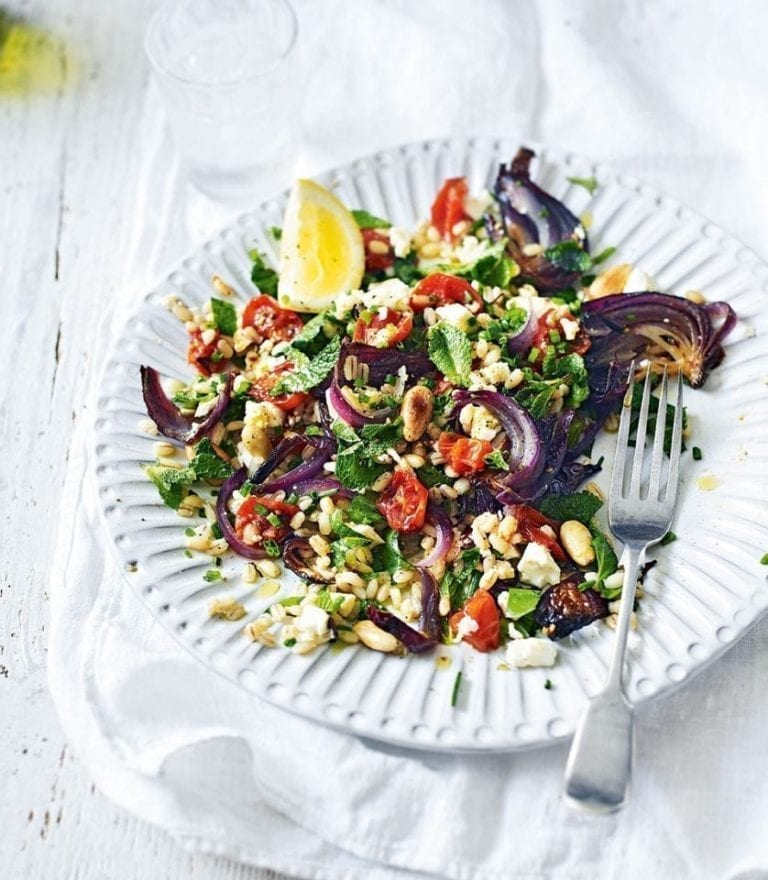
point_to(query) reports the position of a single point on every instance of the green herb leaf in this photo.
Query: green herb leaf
(272, 548)
(607, 564)
(494, 268)
(364, 512)
(378, 438)
(521, 602)
(430, 476)
(172, 483)
(499, 329)
(696, 453)
(355, 469)
(496, 460)
(764, 559)
(367, 221)
(668, 539)
(461, 580)
(450, 351)
(548, 685)
(224, 316)
(311, 373)
(581, 506)
(262, 275)
(569, 256)
(589, 183)
(276, 232)
(653, 410)
(407, 270)
(207, 465)
(342, 546)
(603, 255)
(393, 557)
(344, 432)
(456, 687)
(212, 575)
(328, 603)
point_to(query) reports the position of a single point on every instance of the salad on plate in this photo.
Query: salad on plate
(404, 420)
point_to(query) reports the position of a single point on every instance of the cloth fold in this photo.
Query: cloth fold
(226, 773)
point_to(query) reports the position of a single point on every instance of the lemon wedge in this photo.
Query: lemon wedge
(321, 249)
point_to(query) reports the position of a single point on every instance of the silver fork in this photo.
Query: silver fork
(599, 764)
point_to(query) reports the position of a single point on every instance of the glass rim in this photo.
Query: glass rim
(161, 15)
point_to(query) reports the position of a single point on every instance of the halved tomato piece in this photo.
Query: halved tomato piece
(203, 355)
(384, 329)
(464, 454)
(261, 518)
(379, 254)
(484, 611)
(448, 207)
(269, 320)
(404, 502)
(530, 524)
(439, 289)
(262, 390)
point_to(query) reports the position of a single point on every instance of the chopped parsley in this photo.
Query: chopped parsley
(589, 183)
(368, 221)
(262, 275)
(764, 559)
(172, 483)
(207, 465)
(569, 256)
(496, 460)
(272, 548)
(668, 539)
(212, 575)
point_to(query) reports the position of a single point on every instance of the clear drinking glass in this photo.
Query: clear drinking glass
(224, 70)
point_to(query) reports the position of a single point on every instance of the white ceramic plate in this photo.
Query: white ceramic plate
(706, 590)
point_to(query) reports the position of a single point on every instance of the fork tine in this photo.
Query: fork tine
(677, 438)
(658, 440)
(642, 428)
(617, 479)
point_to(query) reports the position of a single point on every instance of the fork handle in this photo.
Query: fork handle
(600, 761)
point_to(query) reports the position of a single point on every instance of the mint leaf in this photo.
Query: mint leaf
(344, 432)
(496, 460)
(172, 483)
(312, 336)
(568, 256)
(521, 602)
(607, 564)
(499, 329)
(450, 351)
(262, 275)
(207, 465)
(224, 316)
(572, 370)
(311, 373)
(581, 506)
(407, 270)
(393, 557)
(364, 512)
(589, 183)
(378, 438)
(355, 469)
(494, 268)
(367, 221)
(461, 581)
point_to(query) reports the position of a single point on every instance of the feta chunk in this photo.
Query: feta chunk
(312, 623)
(537, 567)
(456, 315)
(392, 294)
(478, 422)
(531, 652)
(400, 239)
(471, 249)
(570, 328)
(263, 414)
(638, 281)
(467, 625)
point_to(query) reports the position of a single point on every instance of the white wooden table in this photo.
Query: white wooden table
(81, 158)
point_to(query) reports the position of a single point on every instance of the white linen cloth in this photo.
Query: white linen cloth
(674, 93)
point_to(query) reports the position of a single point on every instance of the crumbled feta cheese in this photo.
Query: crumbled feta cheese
(476, 206)
(537, 567)
(497, 374)
(570, 328)
(263, 414)
(392, 294)
(531, 652)
(311, 623)
(456, 315)
(639, 281)
(479, 423)
(471, 249)
(467, 625)
(400, 239)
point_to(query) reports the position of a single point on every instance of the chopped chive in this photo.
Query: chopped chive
(276, 232)
(533, 354)
(216, 531)
(764, 560)
(456, 686)
(188, 554)
(245, 489)
(274, 519)
(554, 337)
(668, 538)
(289, 643)
(603, 255)
(272, 548)
(189, 532)
(696, 452)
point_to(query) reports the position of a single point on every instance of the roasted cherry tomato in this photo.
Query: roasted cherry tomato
(464, 454)
(404, 502)
(381, 256)
(269, 320)
(530, 524)
(262, 388)
(481, 608)
(439, 289)
(201, 354)
(384, 329)
(448, 207)
(261, 518)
